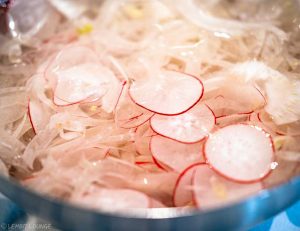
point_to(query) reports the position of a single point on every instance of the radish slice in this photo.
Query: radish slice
(161, 165)
(211, 190)
(172, 93)
(236, 99)
(157, 204)
(245, 98)
(129, 115)
(88, 81)
(69, 57)
(38, 115)
(243, 149)
(174, 154)
(183, 194)
(292, 129)
(232, 119)
(113, 199)
(189, 127)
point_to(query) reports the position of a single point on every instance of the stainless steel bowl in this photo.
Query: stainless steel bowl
(239, 216)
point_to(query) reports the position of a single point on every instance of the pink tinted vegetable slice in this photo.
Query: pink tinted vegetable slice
(189, 127)
(223, 121)
(67, 58)
(174, 154)
(236, 99)
(183, 192)
(88, 81)
(130, 115)
(38, 115)
(212, 190)
(172, 93)
(240, 152)
(113, 199)
(142, 139)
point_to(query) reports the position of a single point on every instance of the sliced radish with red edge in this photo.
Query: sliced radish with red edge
(183, 192)
(174, 154)
(171, 93)
(240, 152)
(85, 82)
(142, 139)
(189, 127)
(129, 115)
(210, 190)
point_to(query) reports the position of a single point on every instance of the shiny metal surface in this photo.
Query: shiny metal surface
(238, 216)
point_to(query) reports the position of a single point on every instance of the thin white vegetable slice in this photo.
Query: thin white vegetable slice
(130, 115)
(172, 93)
(67, 58)
(240, 152)
(236, 99)
(38, 115)
(183, 192)
(174, 154)
(113, 199)
(223, 121)
(142, 139)
(211, 190)
(189, 127)
(86, 81)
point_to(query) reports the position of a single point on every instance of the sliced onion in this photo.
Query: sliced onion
(39, 115)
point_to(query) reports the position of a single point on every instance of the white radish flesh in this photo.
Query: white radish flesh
(130, 115)
(211, 190)
(183, 193)
(142, 139)
(240, 152)
(83, 82)
(171, 93)
(174, 154)
(189, 127)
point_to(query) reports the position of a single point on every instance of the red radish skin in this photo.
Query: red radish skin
(159, 165)
(124, 83)
(38, 117)
(241, 99)
(30, 118)
(181, 196)
(189, 127)
(143, 134)
(160, 102)
(223, 121)
(129, 115)
(227, 161)
(173, 154)
(211, 190)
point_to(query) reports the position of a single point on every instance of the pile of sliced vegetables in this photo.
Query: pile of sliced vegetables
(177, 116)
